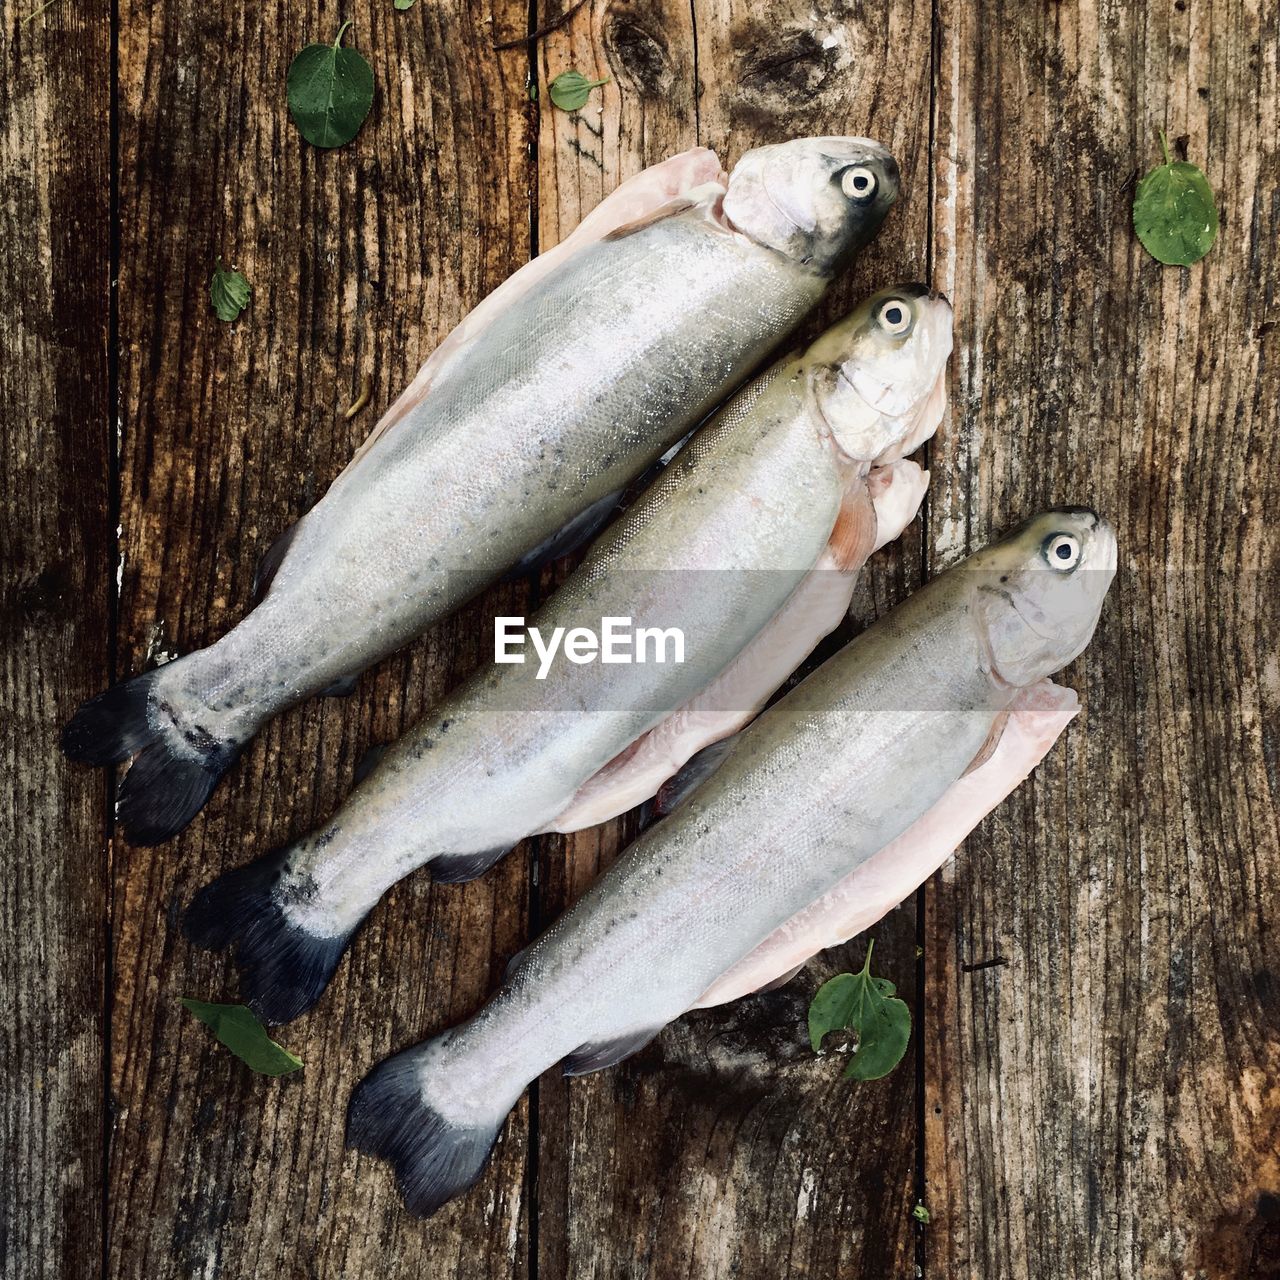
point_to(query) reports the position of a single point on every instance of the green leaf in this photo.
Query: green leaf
(245, 1036)
(228, 291)
(404, 4)
(920, 1214)
(1174, 212)
(866, 1006)
(330, 91)
(571, 89)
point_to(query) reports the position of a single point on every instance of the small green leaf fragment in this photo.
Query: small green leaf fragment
(1174, 212)
(330, 91)
(571, 89)
(920, 1214)
(866, 1006)
(242, 1033)
(403, 4)
(228, 292)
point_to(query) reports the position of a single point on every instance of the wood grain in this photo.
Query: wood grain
(1105, 1104)
(54, 632)
(360, 260)
(723, 1149)
(1101, 1104)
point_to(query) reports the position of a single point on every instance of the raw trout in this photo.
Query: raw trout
(567, 392)
(780, 480)
(822, 780)
(812, 611)
(1037, 716)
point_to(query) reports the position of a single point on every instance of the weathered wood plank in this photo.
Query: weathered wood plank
(1105, 1104)
(360, 259)
(56, 547)
(724, 1148)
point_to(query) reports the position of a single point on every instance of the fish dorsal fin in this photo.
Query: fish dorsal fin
(989, 745)
(514, 963)
(270, 562)
(709, 196)
(579, 531)
(458, 868)
(598, 1055)
(695, 772)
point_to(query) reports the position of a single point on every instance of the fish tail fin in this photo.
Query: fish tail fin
(176, 764)
(435, 1157)
(284, 968)
(112, 726)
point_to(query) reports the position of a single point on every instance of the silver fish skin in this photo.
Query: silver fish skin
(715, 548)
(818, 784)
(561, 400)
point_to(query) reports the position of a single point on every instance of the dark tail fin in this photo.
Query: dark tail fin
(435, 1159)
(284, 969)
(175, 768)
(111, 727)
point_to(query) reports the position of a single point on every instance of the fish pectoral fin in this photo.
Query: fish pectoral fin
(668, 210)
(781, 980)
(708, 193)
(457, 868)
(271, 560)
(992, 741)
(598, 1055)
(694, 773)
(853, 536)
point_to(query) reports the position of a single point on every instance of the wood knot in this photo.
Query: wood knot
(789, 64)
(638, 57)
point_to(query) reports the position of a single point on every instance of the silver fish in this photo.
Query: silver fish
(1036, 717)
(818, 784)
(780, 478)
(561, 399)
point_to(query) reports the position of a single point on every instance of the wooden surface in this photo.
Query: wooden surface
(1103, 1103)
(55, 639)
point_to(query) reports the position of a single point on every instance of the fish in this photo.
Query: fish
(816, 607)
(556, 398)
(822, 780)
(1037, 717)
(794, 472)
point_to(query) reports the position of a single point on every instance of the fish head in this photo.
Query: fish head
(878, 377)
(1037, 593)
(815, 200)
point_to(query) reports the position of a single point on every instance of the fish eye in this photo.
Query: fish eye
(895, 317)
(1062, 551)
(858, 183)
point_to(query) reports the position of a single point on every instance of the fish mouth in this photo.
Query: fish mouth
(879, 393)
